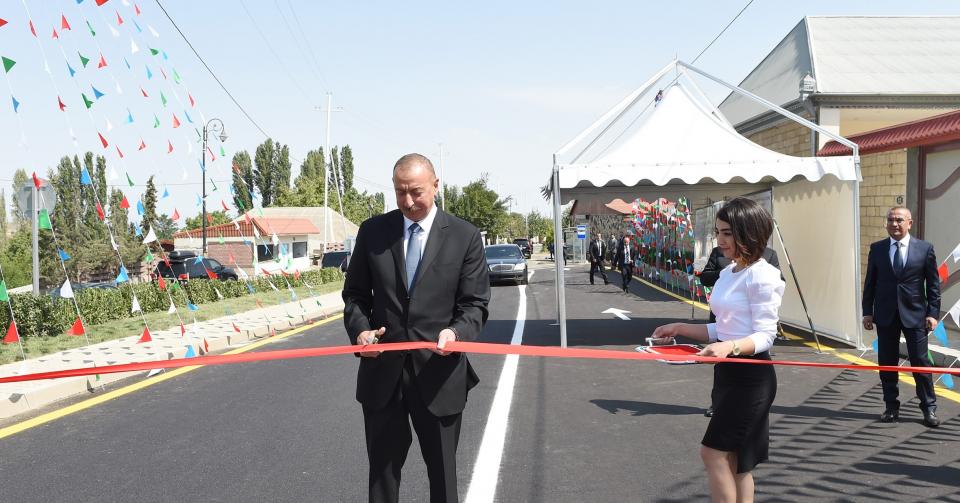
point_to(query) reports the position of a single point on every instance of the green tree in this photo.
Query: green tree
(479, 205)
(15, 258)
(243, 181)
(166, 227)
(213, 218)
(272, 172)
(149, 220)
(308, 186)
(539, 225)
(3, 218)
(20, 177)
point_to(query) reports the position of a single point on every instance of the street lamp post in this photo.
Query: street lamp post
(212, 126)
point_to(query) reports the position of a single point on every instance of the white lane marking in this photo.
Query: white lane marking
(619, 313)
(486, 470)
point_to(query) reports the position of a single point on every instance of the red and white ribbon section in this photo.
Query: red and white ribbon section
(462, 347)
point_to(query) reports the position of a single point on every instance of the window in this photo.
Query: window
(265, 252)
(213, 265)
(299, 249)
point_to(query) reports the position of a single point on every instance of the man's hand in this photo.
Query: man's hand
(368, 337)
(932, 323)
(868, 322)
(446, 335)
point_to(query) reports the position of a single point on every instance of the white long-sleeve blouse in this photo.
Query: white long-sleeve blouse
(747, 304)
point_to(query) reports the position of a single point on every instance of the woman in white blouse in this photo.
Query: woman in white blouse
(746, 300)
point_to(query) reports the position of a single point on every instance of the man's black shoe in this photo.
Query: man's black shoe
(624, 289)
(930, 419)
(708, 412)
(890, 416)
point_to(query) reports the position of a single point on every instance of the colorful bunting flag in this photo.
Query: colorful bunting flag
(63, 255)
(144, 93)
(77, 328)
(4, 296)
(90, 27)
(163, 99)
(122, 277)
(85, 177)
(190, 352)
(60, 104)
(192, 306)
(7, 63)
(124, 203)
(169, 147)
(154, 52)
(83, 59)
(176, 122)
(16, 104)
(103, 140)
(941, 334)
(943, 271)
(956, 254)
(176, 215)
(142, 145)
(161, 283)
(145, 337)
(96, 93)
(211, 274)
(135, 306)
(149, 73)
(3, 22)
(151, 236)
(55, 35)
(72, 71)
(87, 101)
(166, 193)
(66, 290)
(12, 334)
(43, 220)
(103, 62)
(955, 313)
(172, 309)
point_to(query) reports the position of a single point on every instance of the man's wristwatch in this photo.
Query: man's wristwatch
(736, 348)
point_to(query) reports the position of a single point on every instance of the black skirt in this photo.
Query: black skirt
(740, 423)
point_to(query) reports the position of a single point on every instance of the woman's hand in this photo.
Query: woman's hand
(665, 333)
(717, 349)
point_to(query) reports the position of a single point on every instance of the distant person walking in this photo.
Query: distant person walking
(597, 250)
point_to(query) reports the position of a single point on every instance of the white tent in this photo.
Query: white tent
(679, 144)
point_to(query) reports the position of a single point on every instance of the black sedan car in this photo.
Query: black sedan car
(506, 263)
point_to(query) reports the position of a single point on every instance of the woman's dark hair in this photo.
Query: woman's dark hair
(751, 226)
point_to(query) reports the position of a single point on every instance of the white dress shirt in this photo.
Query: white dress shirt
(425, 225)
(904, 245)
(747, 304)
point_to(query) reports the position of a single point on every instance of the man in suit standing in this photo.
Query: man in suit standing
(901, 294)
(624, 260)
(416, 274)
(716, 262)
(597, 250)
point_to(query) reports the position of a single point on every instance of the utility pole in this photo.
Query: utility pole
(327, 164)
(212, 126)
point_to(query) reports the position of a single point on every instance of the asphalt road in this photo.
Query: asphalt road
(576, 430)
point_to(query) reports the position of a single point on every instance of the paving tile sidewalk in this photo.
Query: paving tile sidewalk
(21, 397)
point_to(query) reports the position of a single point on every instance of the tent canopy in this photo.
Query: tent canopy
(681, 141)
(680, 144)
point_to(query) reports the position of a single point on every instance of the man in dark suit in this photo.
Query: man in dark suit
(623, 259)
(597, 250)
(901, 294)
(716, 262)
(416, 274)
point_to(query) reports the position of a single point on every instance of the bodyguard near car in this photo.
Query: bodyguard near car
(506, 263)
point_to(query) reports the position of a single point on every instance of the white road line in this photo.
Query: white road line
(486, 470)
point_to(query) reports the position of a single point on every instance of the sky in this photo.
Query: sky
(501, 85)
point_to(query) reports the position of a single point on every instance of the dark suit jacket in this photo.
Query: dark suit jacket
(914, 294)
(618, 256)
(452, 290)
(595, 254)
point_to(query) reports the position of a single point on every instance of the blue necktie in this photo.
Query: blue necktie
(897, 259)
(414, 253)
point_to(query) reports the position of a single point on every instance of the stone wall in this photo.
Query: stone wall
(884, 178)
(788, 138)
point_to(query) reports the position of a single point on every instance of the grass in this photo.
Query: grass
(35, 347)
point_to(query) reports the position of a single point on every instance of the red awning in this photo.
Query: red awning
(938, 129)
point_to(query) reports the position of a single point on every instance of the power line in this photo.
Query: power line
(214, 75)
(721, 32)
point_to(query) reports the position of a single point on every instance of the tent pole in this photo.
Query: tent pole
(559, 259)
(856, 236)
(796, 282)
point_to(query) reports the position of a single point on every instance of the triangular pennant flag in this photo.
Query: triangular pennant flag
(947, 380)
(122, 277)
(129, 116)
(154, 51)
(176, 122)
(192, 306)
(16, 104)
(77, 328)
(135, 306)
(166, 193)
(169, 147)
(63, 22)
(176, 215)
(149, 73)
(43, 220)
(235, 327)
(876, 345)
(127, 63)
(12, 334)
(119, 19)
(36, 180)
(161, 283)
(8, 63)
(211, 274)
(940, 332)
(87, 101)
(183, 330)
(119, 152)
(85, 177)
(103, 140)
(151, 236)
(172, 309)
(83, 60)
(66, 290)
(176, 76)
(60, 104)
(63, 255)
(144, 93)
(136, 8)
(192, 102)
(190, 352)
(148, 256)
(206, 346)
(90, 27)
(129, 180)
(943, 271)
(956, 254)
(100, 211)
(145, 337)
(103, 62)
(4, 297)
(124, 203)
(55, 35)
(163, 99)
(96, 93)
(142, 145)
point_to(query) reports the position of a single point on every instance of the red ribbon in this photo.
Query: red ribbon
(461, 347)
